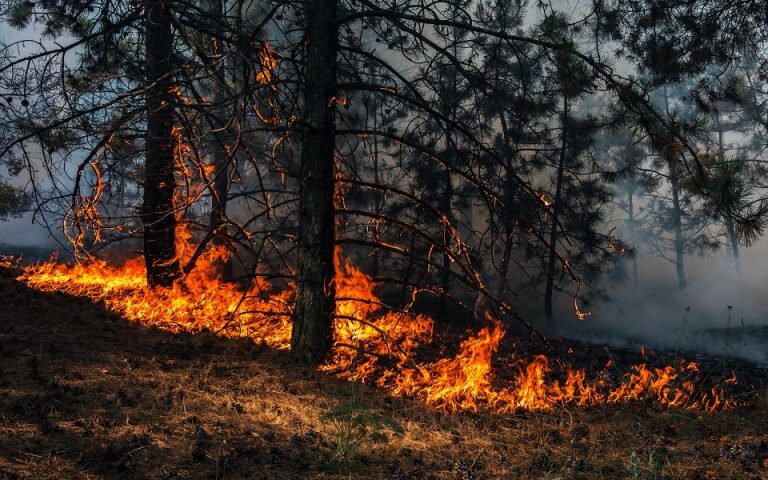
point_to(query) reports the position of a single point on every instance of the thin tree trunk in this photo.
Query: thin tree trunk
(633, 234)
(506, 259)
(677, 224)
(158, 214)
(408, 273)
(550, 285)
(445, 280)
(677, 214)
(733, 243)
(220, 194)
(447, 200)
(315, 290)
(376, 178)
(510, 189)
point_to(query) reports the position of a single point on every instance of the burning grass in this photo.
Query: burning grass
(85, 394)
(376, 345)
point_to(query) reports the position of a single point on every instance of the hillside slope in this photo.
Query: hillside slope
(85, 394)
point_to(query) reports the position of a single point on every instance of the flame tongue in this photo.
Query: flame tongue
(199, 302)
(373, 344)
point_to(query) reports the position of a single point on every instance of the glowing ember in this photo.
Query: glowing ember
(268, 63)
(373, 344)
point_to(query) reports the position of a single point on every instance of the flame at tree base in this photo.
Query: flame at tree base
(372, 344)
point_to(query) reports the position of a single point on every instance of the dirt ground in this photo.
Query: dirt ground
(86, 394)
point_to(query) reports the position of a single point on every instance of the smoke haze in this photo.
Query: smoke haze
(723, 310)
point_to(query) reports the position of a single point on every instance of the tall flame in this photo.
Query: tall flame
(373, 344)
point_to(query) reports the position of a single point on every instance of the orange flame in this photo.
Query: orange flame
(267, 64)
(372, 343)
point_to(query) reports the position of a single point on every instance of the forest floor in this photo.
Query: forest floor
(86, 394)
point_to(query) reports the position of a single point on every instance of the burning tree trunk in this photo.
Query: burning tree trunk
(158, 214)
(315, 290)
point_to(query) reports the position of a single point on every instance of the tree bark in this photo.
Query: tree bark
(158, 216)
(315, 290)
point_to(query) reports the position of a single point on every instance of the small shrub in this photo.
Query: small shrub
(353, 426)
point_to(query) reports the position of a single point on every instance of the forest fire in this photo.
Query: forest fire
(373, 344)
(403, 239)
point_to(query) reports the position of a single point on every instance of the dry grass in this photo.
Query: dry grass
(84, 394)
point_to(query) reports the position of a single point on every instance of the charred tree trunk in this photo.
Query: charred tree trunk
(158, 216)
(315, 290)
(549, 317)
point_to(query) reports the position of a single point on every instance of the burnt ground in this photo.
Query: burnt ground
(86, 394)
